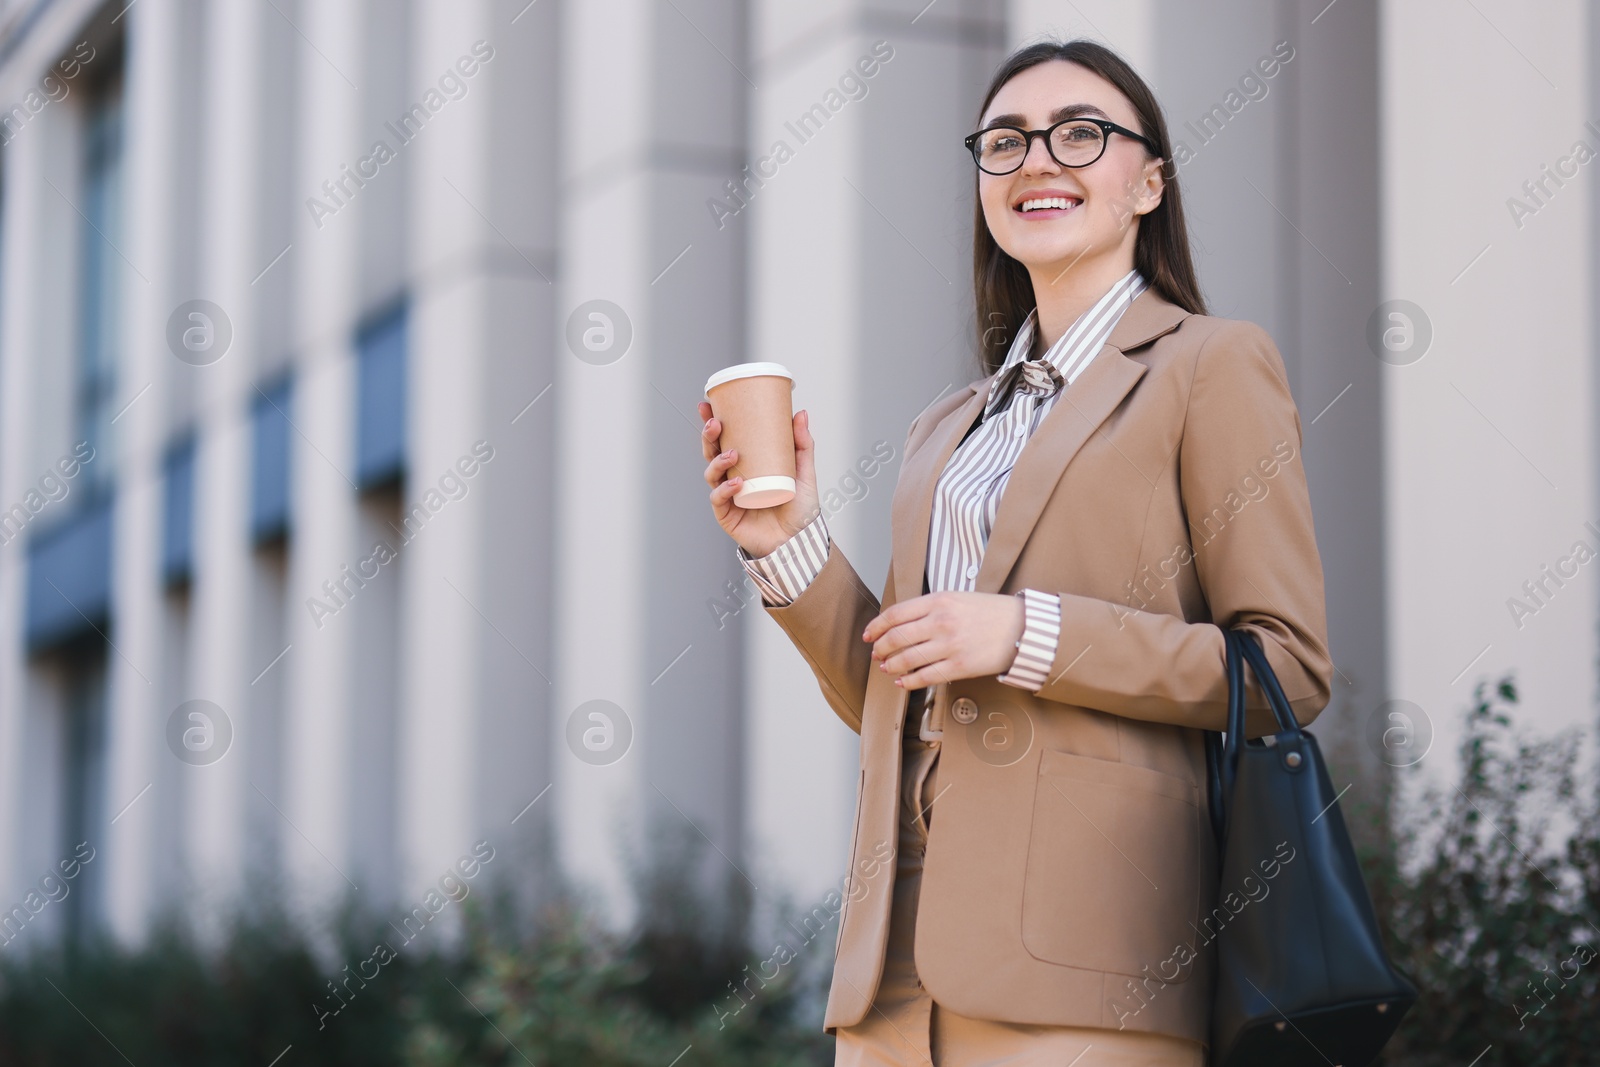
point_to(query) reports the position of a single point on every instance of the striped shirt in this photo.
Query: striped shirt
(967, 496)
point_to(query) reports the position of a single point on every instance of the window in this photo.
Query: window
(269, 463)
(381, 399)
(177, 507)
(69, 577)
(102, 275)
(69, 568)
(84, 814)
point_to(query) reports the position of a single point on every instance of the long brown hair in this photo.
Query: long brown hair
(1002, 289)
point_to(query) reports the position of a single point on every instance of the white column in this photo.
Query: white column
(1492, 471)
(319, 742)
(476, 655)
(1328, 118)
(139, 767)
(220, 793)
(599, 648)
(443, 632)
(37, 423)
(29, 220)
(647, 137)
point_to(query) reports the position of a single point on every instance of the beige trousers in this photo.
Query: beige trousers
(905, 1026)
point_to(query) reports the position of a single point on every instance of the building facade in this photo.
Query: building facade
(349, 355)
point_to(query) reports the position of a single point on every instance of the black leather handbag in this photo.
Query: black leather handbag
(1301, 976)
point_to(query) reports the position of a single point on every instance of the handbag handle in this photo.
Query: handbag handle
(1222, 754)
(1235, 734)
(1268, 681)
(1219, 777)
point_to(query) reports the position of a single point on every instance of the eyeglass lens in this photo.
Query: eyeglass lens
(1074, 144)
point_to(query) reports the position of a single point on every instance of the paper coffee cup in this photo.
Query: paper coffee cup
(755, 404)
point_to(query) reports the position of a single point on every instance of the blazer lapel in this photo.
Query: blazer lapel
(912, 508)
(1077, 414)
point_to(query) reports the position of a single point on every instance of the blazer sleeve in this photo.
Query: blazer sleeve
(825, 623)
(1261, 571)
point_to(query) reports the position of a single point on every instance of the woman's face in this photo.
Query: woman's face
(1104, 199)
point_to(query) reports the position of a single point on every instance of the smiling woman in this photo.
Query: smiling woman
(1002, 676)
(1127, 180)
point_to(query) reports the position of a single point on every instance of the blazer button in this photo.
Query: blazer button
(965, 710)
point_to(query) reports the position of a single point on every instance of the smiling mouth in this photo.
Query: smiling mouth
(1047, 206)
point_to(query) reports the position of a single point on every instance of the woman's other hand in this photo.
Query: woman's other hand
(944, 637)
(759, 530)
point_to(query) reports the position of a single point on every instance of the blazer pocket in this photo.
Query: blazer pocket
(1113, 874)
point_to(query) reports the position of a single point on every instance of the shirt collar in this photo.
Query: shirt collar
(1074, 348)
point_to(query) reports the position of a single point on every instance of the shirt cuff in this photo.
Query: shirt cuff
(783, 574)
(1041, 629)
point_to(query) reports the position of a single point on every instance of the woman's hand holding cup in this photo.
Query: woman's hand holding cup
(759, 530)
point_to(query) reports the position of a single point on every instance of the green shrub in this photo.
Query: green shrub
(571, 998)
(554, 988)
(1499, 929)
(1497, 926)
(171, 1001)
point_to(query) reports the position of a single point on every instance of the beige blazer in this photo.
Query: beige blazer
(1070, 871)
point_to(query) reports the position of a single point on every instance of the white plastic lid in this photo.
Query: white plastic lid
(746, 370)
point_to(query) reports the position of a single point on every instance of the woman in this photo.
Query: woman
(1069, 533)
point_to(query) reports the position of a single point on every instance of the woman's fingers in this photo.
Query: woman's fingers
(931, 674)
(907, 659)
(718, 467)
(710, 431)
(805, 470)
(900, 642)
(914, 659)
(722, 495)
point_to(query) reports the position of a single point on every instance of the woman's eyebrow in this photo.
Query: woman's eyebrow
(1071, 111)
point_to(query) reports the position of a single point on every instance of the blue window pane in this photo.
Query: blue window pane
(381, 400)
(177, 506)
(85, 778)
(101, 278)
(69, 577)
(270, 417)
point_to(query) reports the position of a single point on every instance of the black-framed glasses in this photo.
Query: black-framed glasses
(1070, 142)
